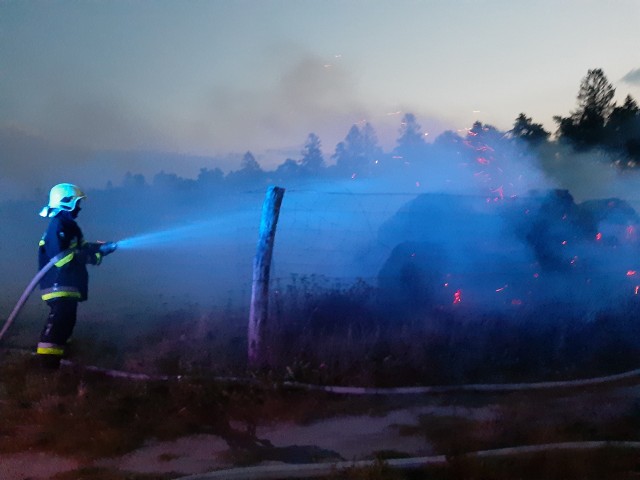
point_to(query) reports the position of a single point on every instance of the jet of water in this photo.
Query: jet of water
(163, 238)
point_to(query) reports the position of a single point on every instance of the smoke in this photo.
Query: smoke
(473, 223)
(633, 77)
(309, 93)
(31, 164)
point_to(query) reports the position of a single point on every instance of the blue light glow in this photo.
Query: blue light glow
(192, 232)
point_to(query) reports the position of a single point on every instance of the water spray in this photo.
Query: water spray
(160, 238)
(170, 236)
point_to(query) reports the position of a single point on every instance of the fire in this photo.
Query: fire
(630, 231)
(457, 297)
(485, 148)
(500, 192)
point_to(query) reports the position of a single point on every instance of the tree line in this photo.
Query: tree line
(597, 124)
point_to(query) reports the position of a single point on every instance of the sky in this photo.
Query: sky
(213, 77)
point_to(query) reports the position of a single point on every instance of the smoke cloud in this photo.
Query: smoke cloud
(633, 77)
(310, 92)
(479, 223)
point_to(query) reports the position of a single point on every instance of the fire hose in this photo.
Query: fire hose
(330, 469)
(30, 288)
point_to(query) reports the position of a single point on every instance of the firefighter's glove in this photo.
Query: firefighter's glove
(107, 248)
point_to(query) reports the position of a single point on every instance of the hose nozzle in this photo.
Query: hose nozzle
(107, 248)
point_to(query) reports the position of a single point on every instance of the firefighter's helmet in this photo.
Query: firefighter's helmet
(64, 196)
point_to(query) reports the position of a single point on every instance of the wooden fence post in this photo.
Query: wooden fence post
(259, 310)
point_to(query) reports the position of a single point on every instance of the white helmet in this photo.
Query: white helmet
(64, 196)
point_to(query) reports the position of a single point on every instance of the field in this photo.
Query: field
(94, 424)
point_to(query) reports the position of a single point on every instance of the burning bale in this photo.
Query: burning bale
(531, 251)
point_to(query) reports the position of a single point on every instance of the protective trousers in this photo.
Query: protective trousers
(57, 330)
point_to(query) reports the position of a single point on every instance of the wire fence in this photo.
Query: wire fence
(197, 281)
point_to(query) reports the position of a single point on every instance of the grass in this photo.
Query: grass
(110, 417)
(93, 473)
(596, 465)
(603, 464)
(103, 417)
(336, 336)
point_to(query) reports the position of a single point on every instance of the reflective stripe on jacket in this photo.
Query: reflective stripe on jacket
(68, 278)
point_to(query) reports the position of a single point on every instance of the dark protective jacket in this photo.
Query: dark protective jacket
(68, 278)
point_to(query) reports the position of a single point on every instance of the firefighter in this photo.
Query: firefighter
(66, 283)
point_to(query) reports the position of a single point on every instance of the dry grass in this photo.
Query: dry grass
(595, 414)
(592, 465)
(335, 339)
(88, 415)
(109, 417)
(92, 473)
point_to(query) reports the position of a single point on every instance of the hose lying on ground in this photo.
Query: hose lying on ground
(314, 470)
(30, 288)
(346, 390)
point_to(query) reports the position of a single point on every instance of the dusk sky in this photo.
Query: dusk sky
(212, 77)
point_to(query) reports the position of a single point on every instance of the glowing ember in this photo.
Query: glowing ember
(500, 192)
(457, 297)
(630, 232)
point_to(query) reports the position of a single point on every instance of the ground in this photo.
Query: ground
(74, 424)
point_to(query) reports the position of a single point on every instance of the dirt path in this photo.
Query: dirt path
(354, 437)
